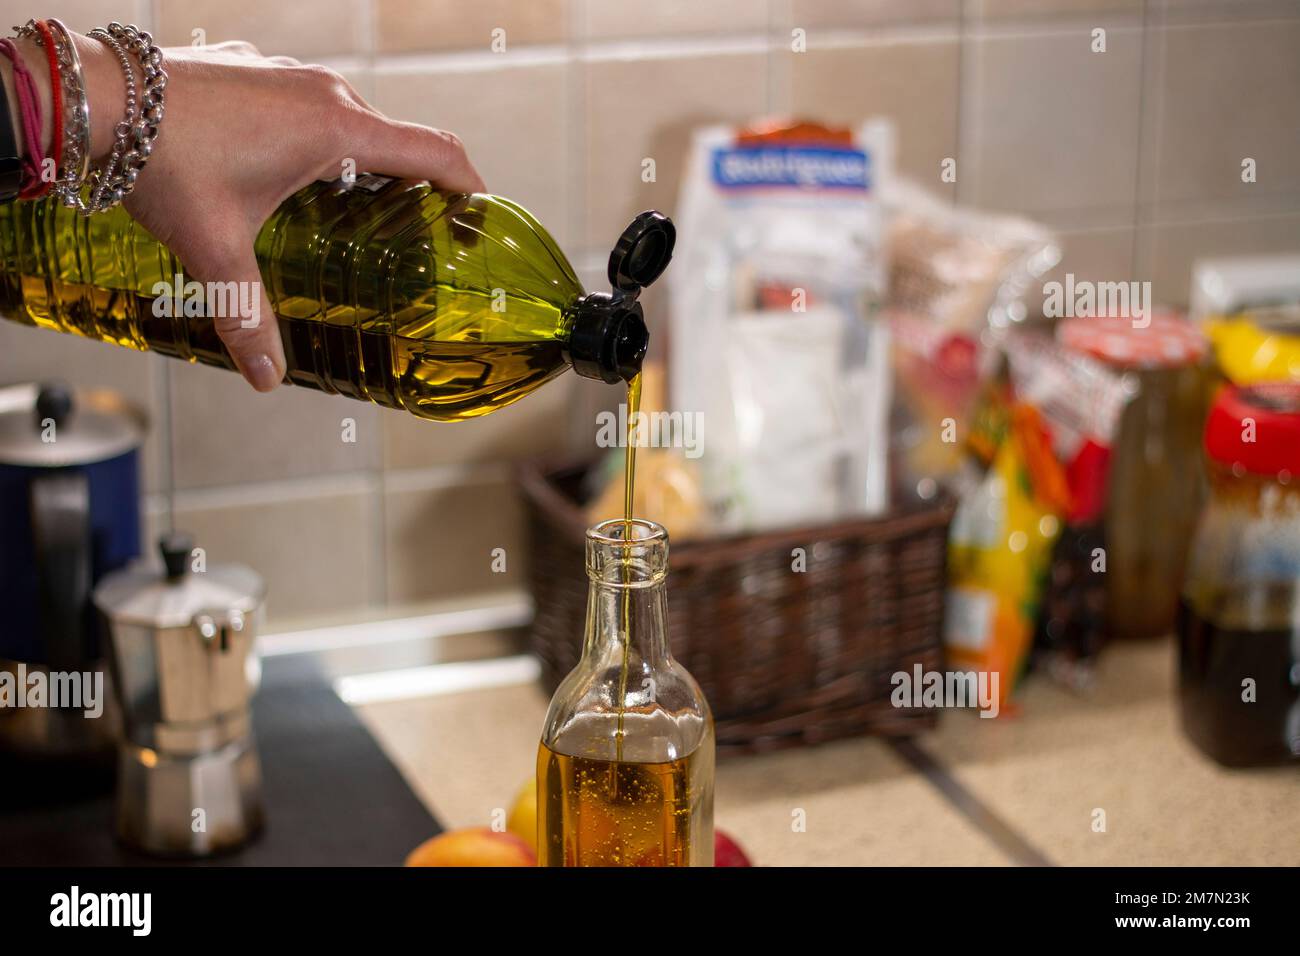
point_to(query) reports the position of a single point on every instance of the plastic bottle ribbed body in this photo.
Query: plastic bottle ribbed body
(446, 305)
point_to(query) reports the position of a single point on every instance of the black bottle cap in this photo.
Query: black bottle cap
(609, 338)
(643, 252)
(53, 401)
(176, 547)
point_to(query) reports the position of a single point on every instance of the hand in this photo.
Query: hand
(240, 134)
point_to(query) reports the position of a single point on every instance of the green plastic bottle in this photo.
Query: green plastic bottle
(447, 305)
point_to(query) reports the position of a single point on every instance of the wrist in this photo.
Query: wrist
(105, 91)
(34, 59)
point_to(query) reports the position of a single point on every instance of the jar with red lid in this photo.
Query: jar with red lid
(1154, 490)
(1239, 618)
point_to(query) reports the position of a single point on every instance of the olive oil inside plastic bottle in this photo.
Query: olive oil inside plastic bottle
(449, 306)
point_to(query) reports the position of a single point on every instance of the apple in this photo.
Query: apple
(727, 852)
(476, 846)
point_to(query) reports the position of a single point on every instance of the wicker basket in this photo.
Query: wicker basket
(784, 658)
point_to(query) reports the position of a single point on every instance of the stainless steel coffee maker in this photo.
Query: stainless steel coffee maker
(180, 649)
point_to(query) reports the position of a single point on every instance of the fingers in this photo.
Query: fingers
(411, 151)
(242, 313)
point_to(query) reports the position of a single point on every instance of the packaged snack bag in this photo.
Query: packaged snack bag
(1081, 400)
(1001, 542)
(773, 337)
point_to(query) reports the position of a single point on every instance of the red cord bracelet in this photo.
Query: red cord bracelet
(56, 87)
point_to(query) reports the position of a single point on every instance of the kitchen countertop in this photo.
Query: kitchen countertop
(324, 785)
(1022, 788)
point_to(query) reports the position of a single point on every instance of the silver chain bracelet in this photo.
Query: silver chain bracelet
(134, 136)
(102, 180)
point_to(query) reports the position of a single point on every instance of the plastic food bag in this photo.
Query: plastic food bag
(961, 269)
(780, 271)
(957, 279)
(1000, 544)
(1081, 400)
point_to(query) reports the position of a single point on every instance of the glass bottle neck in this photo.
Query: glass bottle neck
(627, 564)
(634, 614)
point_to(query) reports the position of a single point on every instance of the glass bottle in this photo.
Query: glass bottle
(1239, 618)
(1154, 488)
(625, 765)
(385, 290)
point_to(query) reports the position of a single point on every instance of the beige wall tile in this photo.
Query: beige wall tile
(1099, 255)
(995, 9)
(1166, 252)
(1186, 11)
(913, 82)
(639, 109)
(1225, 92)
(38, 355)
(1049, 125)
(82, 15)
(635, 19)
(534, 426)
(418, 25)
(1094, 255)
(300, 29)
(512, 119)
(439, 540)
(313, 552)
(223, 432)
(866, 13)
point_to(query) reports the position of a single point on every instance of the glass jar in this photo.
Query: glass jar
(1154, 490)
(625, 764)
(1239, 618)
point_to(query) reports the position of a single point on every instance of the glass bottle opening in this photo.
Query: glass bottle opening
(627, 554)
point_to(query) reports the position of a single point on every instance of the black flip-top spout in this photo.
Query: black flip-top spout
(609, 337)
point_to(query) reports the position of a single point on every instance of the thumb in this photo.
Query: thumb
(241, 314)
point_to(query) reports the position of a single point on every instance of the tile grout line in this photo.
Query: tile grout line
(1144, 140)
(961, 121)
(981, 816)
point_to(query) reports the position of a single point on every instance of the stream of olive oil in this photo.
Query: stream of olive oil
(625, 622)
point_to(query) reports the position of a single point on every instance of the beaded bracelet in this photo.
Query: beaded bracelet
(134, 136)
(102, 180)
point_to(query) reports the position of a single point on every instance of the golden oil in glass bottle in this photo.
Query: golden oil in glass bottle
(625, 764)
